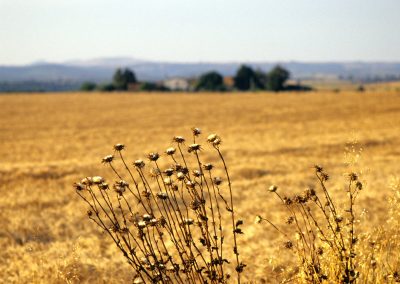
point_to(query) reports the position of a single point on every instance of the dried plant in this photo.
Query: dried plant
(170, 223)
(324, 239)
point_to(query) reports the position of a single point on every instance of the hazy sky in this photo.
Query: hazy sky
(199, 30)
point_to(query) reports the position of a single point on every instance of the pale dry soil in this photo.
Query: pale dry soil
(49, 141)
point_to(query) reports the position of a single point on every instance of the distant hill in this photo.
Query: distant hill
(70, 74)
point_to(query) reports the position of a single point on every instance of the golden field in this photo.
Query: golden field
(49, 141)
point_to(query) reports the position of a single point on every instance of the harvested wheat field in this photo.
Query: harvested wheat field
(50, 141)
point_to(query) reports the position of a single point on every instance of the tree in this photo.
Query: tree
(123, 77)
(211, 81)
(246, 79)
(276, 78)
(106, 87)
(88, 86)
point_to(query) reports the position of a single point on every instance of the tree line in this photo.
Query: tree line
(245, 79)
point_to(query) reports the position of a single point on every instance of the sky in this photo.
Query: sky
(199, 30)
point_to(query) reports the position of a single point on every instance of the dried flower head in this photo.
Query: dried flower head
(155, 172)
(359, 185)
(139, 164)
(162, 195)
(273, 188)
(87, 181)
(217, 180)
(141, 224)
(196, 131)
(119, 147)
(97, 179)
(258, 219)
(170, 151)
(169, 172)
(147, 217)
(190, 184)
(194, 148)
(79, 186)
(187, 221)
(103, 186)
(318, 168)
(353, 176)
(153, 156)
(178, 139)
(208, 167)
(180, 176)
(107, 159)
(168, 181)
(197, 173)
(288, 245)
(211, 138)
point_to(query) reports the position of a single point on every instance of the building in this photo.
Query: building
(177, 84)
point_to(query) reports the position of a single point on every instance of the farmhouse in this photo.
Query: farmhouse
(177, 84)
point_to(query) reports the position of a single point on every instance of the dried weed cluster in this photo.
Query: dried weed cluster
(327, 239)
(170, 223)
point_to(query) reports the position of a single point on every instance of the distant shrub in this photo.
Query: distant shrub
(88, 86)
(246, 79)
(106, 87)
(149, 87)
(211, 81)
(276, 79)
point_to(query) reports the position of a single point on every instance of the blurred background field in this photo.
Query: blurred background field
(48, 141)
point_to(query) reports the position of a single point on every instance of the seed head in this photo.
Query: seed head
(153, 156)
(155, 172)
(211, 138)
(318, 168)
(79, 186)
(103, 186)
(139, 164)
(190, 184)
(119, 147)
(273, 188)
(107, 159)
(168, 181)
(196, 131)
(353, 176)
(258, 219)
(288, 245)
(147, 217)
(168, 172)
(217, 180)
(141, 224)
(87, 181)
(197, 173)
(180, 176)
(170, 151)
(187, 221)
(178, 139)
(162, 195)
(194, 148)
(97, 180)
(208, 166)
(359, 185)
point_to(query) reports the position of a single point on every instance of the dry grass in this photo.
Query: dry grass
(50, 141)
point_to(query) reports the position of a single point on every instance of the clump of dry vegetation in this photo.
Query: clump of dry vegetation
(328, 241)
(168, 222)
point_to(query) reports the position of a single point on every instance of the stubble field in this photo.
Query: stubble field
(49, 141)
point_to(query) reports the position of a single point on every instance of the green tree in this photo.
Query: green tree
(106, 87)
(246, 79)
(88, 86)
(122, 78)
(211, 81)
(276, 78)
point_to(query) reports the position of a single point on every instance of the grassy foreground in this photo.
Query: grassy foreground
(49, 141)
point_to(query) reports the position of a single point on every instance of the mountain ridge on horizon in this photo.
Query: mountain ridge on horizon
(100, 70)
